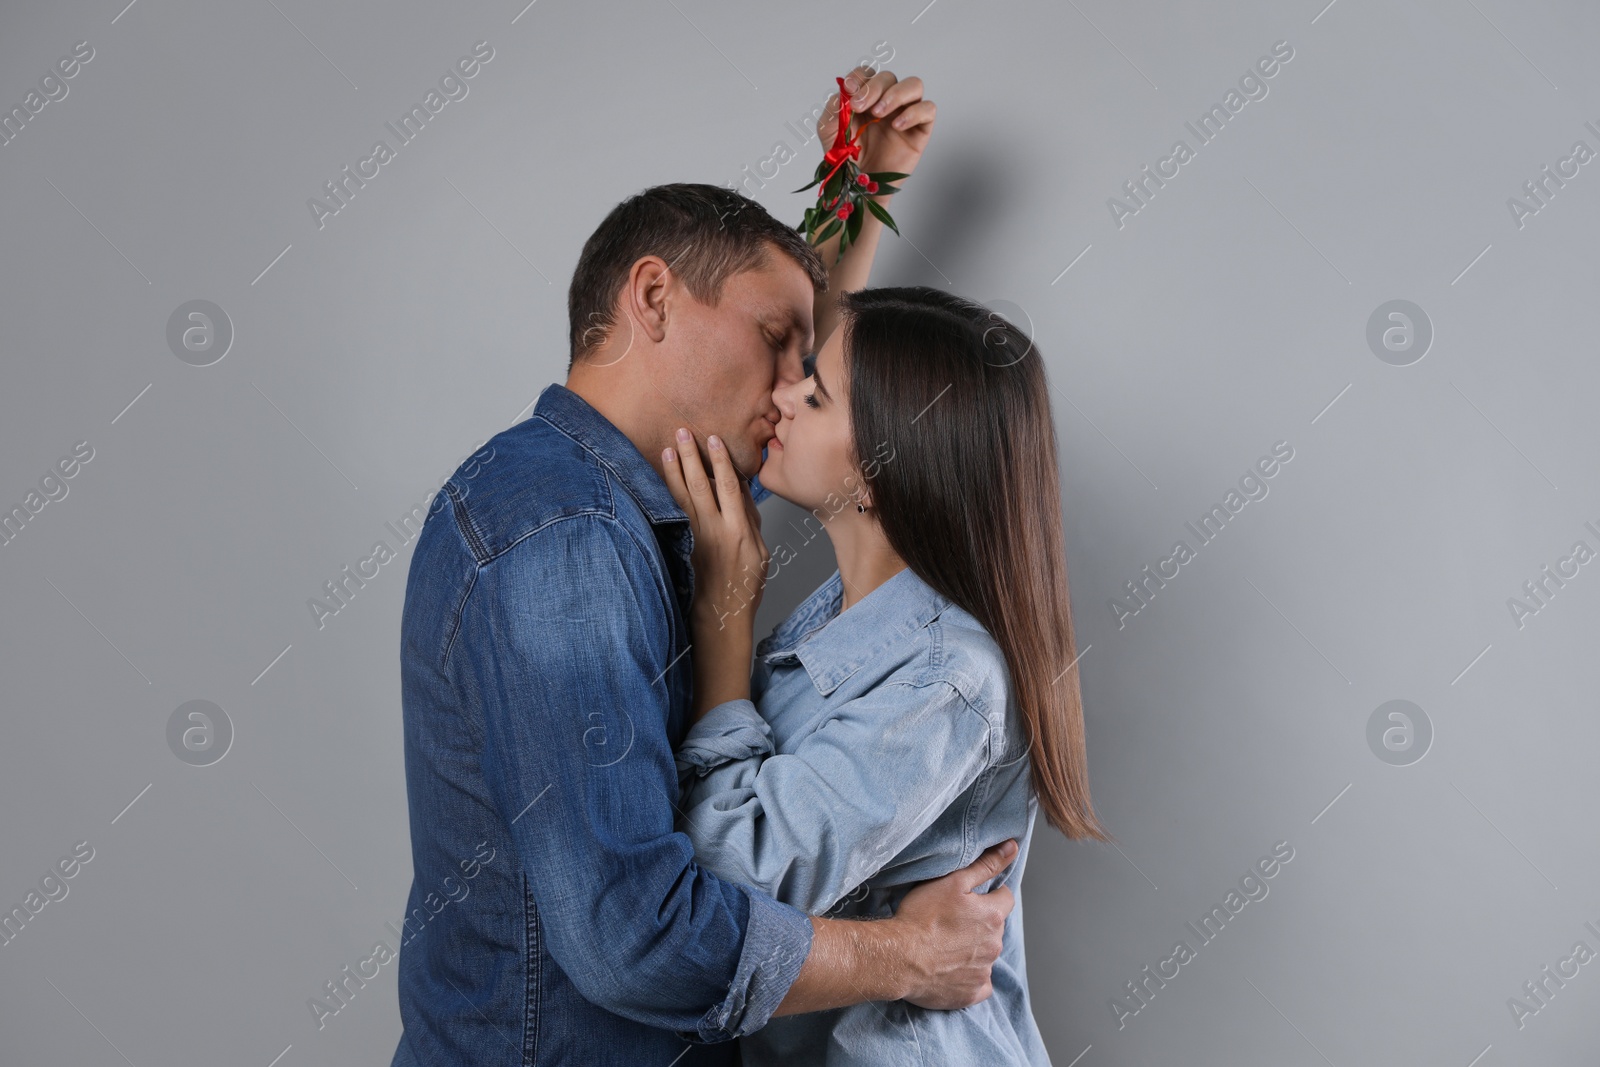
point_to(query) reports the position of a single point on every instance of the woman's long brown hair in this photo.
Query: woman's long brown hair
(970, 497)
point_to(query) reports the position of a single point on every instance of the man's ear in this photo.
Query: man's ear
(646, 297)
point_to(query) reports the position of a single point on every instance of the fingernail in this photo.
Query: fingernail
(879, 109)
(715, 441)
(667, 456)
(683, 434)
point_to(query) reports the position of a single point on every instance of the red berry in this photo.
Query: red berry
(872, 187)
(862, 179)
(844, 212)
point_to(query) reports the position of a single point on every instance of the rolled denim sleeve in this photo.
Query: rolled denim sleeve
(730, 732)
(809, 824)
(564, 643)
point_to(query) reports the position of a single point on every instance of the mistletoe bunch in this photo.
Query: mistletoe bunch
(846, 191)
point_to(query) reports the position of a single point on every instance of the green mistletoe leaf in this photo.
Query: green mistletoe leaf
(882, 215)
(821, 172)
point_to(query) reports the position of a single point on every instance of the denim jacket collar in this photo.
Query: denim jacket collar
(833, 645)
(577, 418)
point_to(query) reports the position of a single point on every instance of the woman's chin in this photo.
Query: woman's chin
(772, 477)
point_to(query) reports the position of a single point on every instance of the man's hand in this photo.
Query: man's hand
(905, 120)
(955, 934)
(937, 951)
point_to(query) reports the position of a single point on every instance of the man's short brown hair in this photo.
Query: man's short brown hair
(706, 233)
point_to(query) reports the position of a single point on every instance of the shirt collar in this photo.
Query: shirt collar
(577, 418)
(833, 645)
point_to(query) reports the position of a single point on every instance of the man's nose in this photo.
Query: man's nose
(781, 397)
(791, 369)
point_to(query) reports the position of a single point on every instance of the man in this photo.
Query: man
(555, 916)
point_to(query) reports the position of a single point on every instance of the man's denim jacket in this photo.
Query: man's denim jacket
(545, 685)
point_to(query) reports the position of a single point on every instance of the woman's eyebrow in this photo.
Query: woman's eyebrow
(816, 377)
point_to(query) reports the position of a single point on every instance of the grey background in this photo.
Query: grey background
(1229, 314)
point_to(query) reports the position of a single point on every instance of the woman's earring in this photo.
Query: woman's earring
(861, 507)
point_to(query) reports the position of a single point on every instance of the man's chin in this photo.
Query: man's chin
(755, 466)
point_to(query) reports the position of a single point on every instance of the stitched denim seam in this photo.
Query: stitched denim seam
(980, 790)
(464, 523)
(911, 1021)
(531, 989)
(461, 610)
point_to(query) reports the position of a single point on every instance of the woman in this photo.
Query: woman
(922, 704)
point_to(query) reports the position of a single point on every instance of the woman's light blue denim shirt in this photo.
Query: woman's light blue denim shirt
(883, 753)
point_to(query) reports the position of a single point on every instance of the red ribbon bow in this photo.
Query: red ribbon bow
(844, 146)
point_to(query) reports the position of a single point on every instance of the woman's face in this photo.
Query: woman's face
(809, 460)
